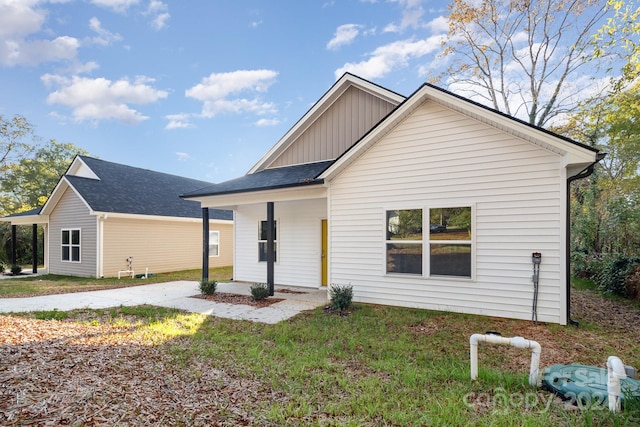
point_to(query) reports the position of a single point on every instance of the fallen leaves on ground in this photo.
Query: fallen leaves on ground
(60, 373)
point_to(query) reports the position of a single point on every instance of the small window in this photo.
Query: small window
(262, 241)
(450, 242)
(70, 245)
(404, 241)
(214, 243)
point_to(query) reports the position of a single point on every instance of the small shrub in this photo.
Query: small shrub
(341, 296)
(2, 267)
(259, 291)
(208, 287)
(16, 269)
(612, 278)
(633, 283)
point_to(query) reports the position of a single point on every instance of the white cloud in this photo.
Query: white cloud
(182, 156)
(105, 37)
(119, 6)
(267, 122)
(412, 13)
(344, 35)
(178, 121)
(19, 21)
(159, 12)
(102, 99)
(20, 18)
(220, 92)
(391, 57)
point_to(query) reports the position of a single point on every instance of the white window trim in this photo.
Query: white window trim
(426, 241)
(71, 245)
(217, 244)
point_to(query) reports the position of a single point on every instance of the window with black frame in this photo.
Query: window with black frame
(262, 241)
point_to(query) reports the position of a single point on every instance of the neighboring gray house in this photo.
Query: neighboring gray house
(100, 214)
(431, 201)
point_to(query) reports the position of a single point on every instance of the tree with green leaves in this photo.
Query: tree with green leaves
(28, 182)
(17, 140)
(518, 56)
(622, 32)
(606, 208)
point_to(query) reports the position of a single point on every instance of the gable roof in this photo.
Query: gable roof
(115, 188)
(577, 156)
(335, 92)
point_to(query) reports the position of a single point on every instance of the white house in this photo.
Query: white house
(431, 201)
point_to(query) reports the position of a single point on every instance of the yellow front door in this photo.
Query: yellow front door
(325, 252)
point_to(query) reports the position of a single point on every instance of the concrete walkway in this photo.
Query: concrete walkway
(176, 295)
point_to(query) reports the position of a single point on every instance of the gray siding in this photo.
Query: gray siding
(71, 212)
(346, 121)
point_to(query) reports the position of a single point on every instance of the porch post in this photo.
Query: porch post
(14, 245)
(34, 247)
(270, 247)
(205, 244)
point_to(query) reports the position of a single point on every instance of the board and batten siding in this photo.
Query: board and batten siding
(71, 212)
(440, 158)
(346, 121)
(160, 245)
(298, 236)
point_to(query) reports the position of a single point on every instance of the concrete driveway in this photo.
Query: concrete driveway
(175, 295)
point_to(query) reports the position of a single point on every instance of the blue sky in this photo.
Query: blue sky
(200, 88)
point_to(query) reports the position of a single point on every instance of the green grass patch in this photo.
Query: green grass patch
(378, 366)
(49, 284)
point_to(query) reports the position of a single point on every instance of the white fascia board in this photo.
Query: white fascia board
(107, 215)
(232, 201)
(573, 154)
(80, 168)
(322, 105)
(27, 219)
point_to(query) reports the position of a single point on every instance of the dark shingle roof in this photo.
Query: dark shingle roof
(130, 190)
(30, 212)
(267, 179)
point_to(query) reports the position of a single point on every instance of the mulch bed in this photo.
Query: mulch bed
(239, 299)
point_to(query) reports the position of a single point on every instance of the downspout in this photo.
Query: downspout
(583, 174)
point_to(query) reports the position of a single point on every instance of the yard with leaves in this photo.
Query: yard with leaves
(377, 366)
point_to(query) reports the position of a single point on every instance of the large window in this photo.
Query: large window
(214, 243)
(262, 241)
(404, 241)
(70, 244)
(444, 251)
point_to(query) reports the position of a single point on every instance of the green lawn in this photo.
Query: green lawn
(55, 284)
(377, 366)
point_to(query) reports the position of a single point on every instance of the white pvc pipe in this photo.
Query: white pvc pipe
(517, 342)
(615, 372)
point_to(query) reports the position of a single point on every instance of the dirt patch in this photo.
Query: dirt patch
(239, 299)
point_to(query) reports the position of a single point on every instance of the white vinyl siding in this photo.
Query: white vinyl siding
(437, 157)
(346, 121)
(299, 242)
(71, 213)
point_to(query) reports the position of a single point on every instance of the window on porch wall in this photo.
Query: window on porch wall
(262, 241)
